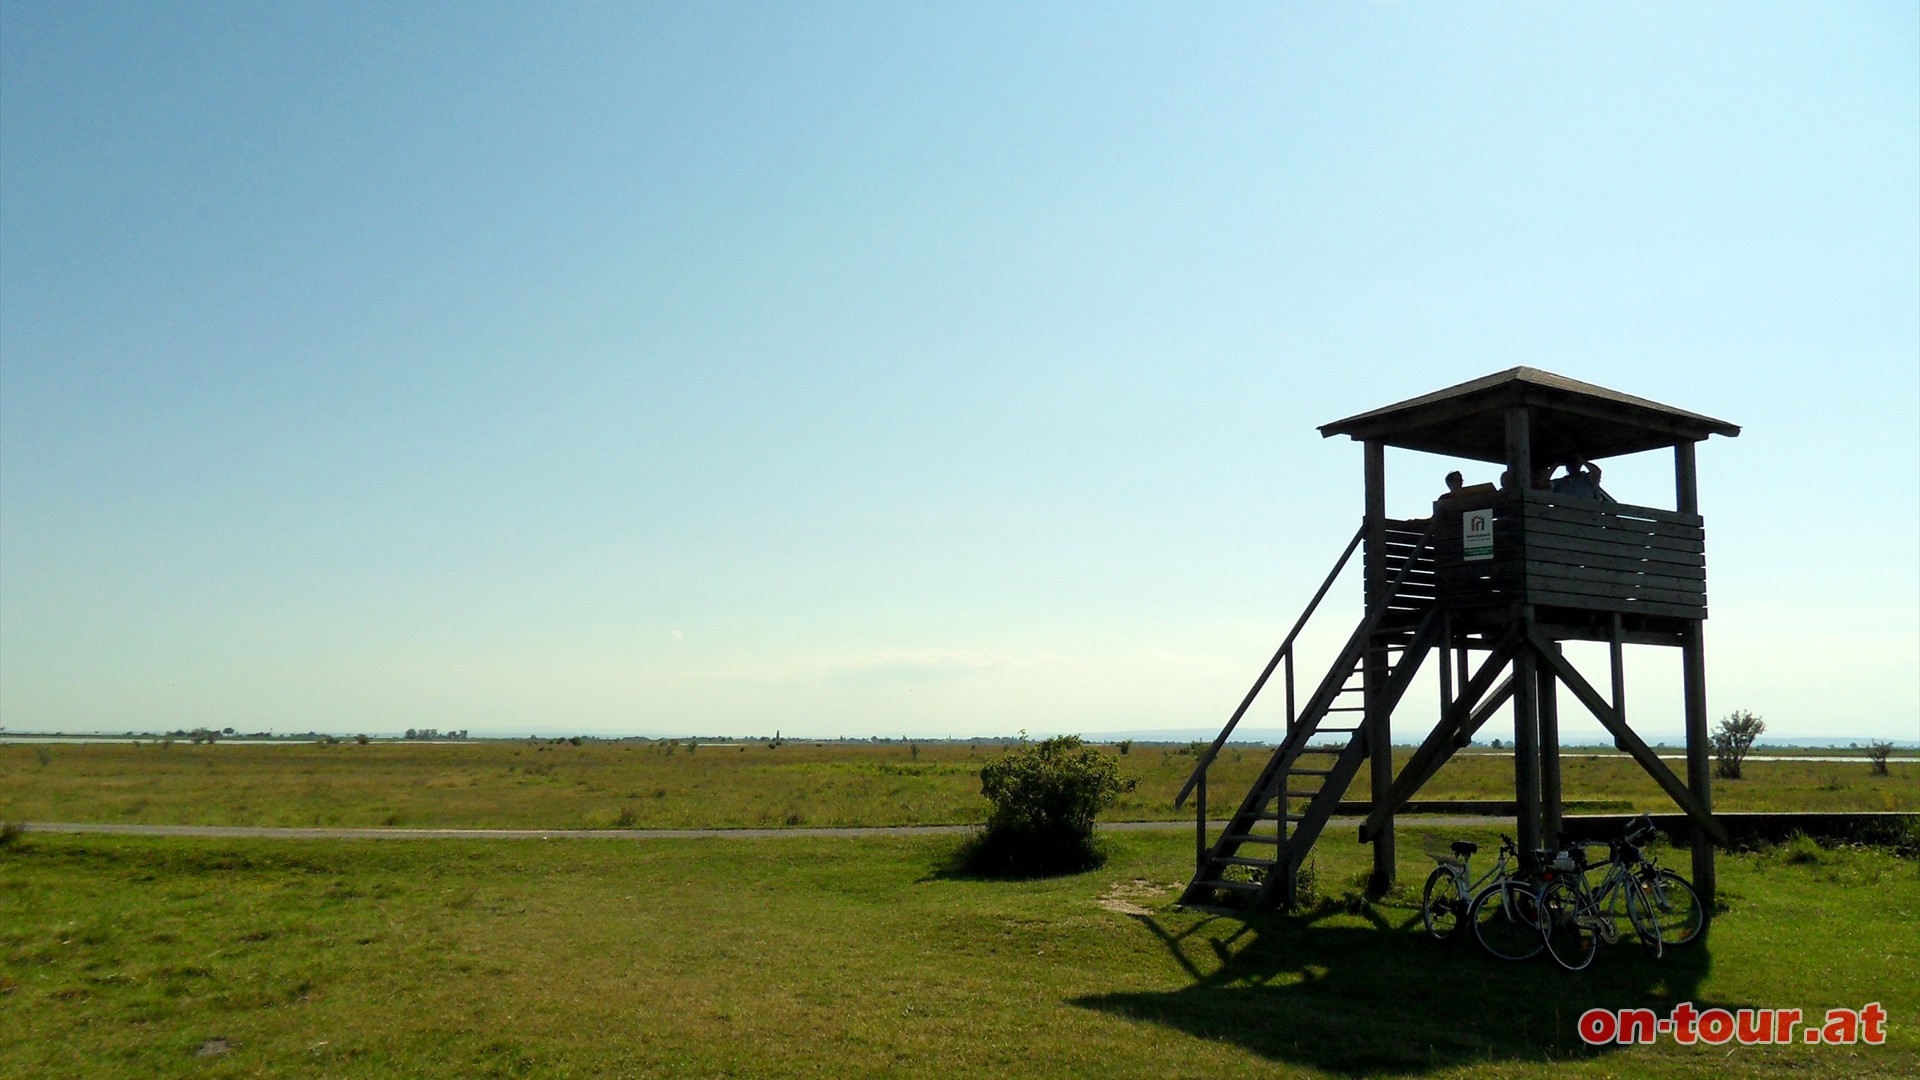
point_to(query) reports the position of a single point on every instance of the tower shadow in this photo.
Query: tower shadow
(1358, 996)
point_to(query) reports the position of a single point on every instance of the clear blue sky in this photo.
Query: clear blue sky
(905, 368)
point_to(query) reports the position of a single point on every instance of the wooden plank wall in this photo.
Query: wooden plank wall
(1559, 551)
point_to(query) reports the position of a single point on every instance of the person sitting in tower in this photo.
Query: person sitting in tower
(1457, 488)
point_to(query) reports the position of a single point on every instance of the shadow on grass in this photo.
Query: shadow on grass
(989, 856)
(1322, 991)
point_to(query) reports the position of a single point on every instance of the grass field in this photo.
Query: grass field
(814, 956)
(808, 956)
(557, 785)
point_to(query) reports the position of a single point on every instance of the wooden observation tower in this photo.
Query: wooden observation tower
(1491, 585)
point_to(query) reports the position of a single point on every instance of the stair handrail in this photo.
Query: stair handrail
(1375, 612)
(1286, 647)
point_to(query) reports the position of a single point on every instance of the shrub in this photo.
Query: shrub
(1045, 797)
(1731, 741)
(1877, 753)
(1123, 746)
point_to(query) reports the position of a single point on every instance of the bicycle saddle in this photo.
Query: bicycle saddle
(1464, 848)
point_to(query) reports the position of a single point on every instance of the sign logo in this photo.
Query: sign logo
(1476, 535)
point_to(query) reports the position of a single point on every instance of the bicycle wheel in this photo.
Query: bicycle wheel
(1566, 926)
(1639, 904)
(1503, 921)
(1677, 912)
(1442, 905)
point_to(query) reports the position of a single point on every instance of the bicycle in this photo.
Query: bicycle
(1444, 900)
(1677, 909)
(1576, 918)
(1504, 910)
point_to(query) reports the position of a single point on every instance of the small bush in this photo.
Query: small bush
(10, 831)
(1124, 745)
(1731, 741)
(1045, 797)
(1877, 753)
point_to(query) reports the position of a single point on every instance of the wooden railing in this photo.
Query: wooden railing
(1559, 551)
(1282, 659)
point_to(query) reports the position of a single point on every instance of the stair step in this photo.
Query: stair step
(1244, 860)
(1230, 886)
(1253, 838)
(1349, 708)
(1268, 815)
(1309, 772)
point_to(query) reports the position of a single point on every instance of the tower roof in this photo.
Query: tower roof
(1569, 419)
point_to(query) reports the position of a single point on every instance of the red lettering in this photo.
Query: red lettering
(1637, 1025)
(1784, 1021)
(1753, 1025)
(1716, 1026)
(1871, 1017)
(1843, 1026)
(1597, 1026)
(1683, 1017)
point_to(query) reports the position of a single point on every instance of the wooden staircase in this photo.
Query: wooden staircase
(1256, 860)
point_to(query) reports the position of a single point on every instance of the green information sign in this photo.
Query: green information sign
(1476, 535)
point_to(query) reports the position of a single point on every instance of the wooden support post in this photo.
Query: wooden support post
(1200, 827)
(1526, 696)
(1693, 677)
(1519, 448)
(1686, 479)
(1461, 659)
(1617, 662)
(1526, 747)
(1378, 720)
(1549, 754)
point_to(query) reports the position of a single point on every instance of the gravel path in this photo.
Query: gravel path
(270, 833)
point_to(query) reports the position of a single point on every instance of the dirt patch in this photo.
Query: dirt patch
(1131, 897)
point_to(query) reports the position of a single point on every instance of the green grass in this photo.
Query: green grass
(806, 956)
(605, 785)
